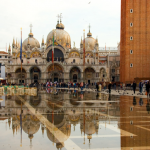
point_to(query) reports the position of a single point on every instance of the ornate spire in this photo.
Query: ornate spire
(9, 49)
(89, 28)
(43, 131)
(96, 40)
(89, 34)
(31, 34)
(13, 131)
(60, 17)
(43, 41)
(31, 28)
(58, 25)
(61, 25)
(16, 43)
(13, 41)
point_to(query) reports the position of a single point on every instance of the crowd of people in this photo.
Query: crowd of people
(143, 86)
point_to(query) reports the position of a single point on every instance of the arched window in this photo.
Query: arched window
(88, 61)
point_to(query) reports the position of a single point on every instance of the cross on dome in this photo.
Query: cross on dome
(89, 34)
(89, 27)
(30, 28)
(60, 16)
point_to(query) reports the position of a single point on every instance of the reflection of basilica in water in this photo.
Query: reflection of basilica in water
(66, 109)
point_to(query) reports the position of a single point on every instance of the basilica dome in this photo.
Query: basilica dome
(31, 41)
(89, 128)
(61, 36)
(31, 127)
(89, 42)
(59, 135)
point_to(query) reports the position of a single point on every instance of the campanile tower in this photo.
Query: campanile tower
(135, 40)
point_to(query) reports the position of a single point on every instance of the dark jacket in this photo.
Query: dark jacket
(97, 86)
(109, 86)
(140, 85)
(134, 85)
(147, 87)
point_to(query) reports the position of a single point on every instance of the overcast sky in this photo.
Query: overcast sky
(102, 15)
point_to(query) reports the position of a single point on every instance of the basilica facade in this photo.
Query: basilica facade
(68, 64)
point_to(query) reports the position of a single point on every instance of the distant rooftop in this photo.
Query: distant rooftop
(108, 48)
(2, 52)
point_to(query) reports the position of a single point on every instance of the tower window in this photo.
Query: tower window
(131, 38)
(36, 61)
(131, 65)
(131, 51)
(131, 108)
(131, 24)
(74, 60)
(131, 122)
(131, 10)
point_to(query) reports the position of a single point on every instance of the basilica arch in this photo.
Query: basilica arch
(89, 75)
(35, 74)
(103, 74)
(75, 74)
(58, 54)
(35, 100)
(55, 73)
(20, 76)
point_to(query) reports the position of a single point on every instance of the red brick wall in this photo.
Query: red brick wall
(141, 40)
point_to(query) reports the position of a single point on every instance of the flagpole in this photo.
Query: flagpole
(21, 125)
(83, 51)
(21, 55)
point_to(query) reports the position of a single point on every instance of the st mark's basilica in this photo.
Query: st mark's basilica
(101, 64)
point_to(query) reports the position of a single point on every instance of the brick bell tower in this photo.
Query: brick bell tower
(135, 40)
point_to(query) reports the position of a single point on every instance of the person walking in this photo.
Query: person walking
(140, 87)
(147, 88)
(115, 86)
(74, 84)
(97, 87)
(81, 86)
(104, 85)
(109, 87)
(134, 87)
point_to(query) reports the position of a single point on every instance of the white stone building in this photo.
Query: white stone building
(68, 61)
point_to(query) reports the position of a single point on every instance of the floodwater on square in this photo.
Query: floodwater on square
(72, 120)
